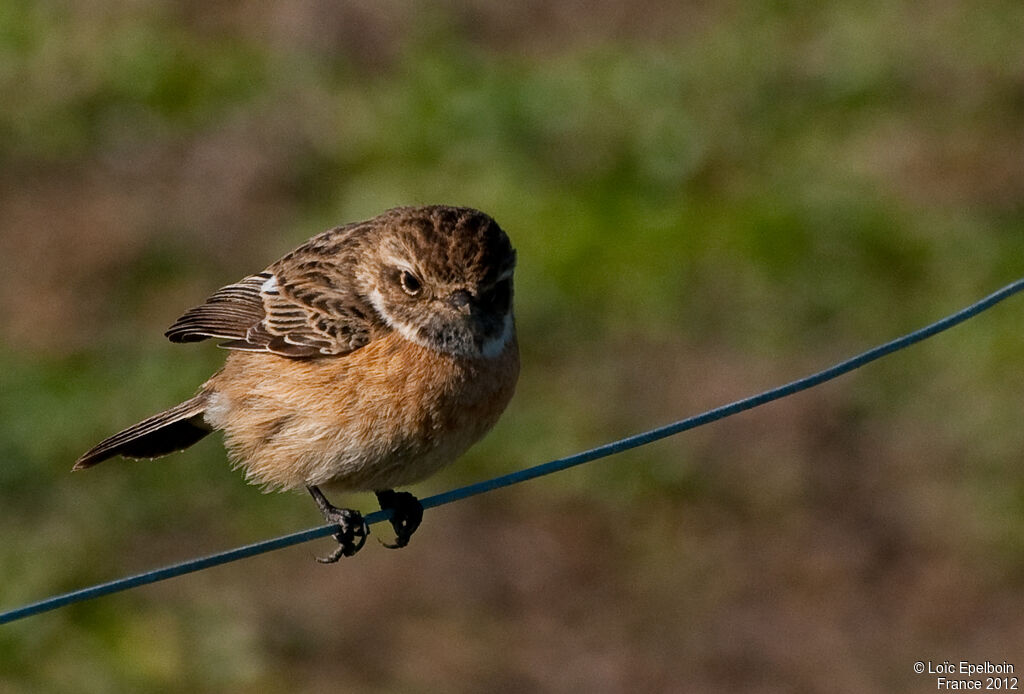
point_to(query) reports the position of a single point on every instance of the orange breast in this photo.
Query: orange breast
(386, 415)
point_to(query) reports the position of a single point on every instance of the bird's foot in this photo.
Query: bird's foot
(352, 530)
(406, 515)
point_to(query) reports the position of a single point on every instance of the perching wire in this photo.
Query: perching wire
(453, 495)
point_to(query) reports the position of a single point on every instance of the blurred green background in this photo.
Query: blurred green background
(708, 199)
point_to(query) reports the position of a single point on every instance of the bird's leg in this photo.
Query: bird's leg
(406, 514)
(352, 530)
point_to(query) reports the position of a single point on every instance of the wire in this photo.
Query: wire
(460, 493)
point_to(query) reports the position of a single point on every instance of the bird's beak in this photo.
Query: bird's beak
(461, 300)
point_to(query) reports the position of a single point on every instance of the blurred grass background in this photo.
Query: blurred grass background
(708, 199)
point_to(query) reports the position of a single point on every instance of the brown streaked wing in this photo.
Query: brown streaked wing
(229, 313)
(314, 304)
(294, 311)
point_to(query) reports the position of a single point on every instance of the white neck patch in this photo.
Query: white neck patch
(496, 345)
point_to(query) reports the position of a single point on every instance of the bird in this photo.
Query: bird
(368, 358)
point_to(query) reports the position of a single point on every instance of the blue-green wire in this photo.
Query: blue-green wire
(448, 497)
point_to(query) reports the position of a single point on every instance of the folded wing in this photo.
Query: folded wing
(309, 314)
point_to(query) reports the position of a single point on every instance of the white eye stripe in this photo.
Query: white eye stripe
(404, 329)
(399, 263)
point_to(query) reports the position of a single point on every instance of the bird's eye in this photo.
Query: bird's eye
(410, 283)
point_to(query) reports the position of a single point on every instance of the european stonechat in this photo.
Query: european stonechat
(368, 358)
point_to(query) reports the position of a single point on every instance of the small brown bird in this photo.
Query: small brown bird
(368, 358)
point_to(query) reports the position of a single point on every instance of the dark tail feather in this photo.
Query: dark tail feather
(171, 430)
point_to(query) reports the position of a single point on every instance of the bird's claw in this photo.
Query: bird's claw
(352, 529)
(351, 534)
(406, 515)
